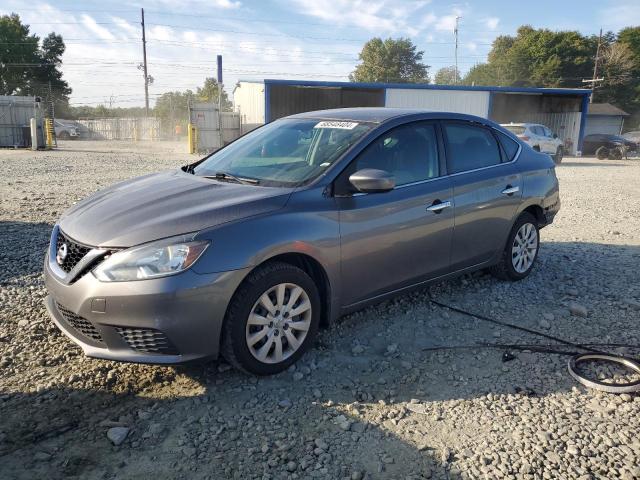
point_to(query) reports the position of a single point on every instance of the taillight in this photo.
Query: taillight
(523, 137)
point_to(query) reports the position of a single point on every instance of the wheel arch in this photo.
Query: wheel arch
(312, 267)
(534, 209)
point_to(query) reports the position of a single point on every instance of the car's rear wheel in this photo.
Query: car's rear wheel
(64, 135)
(559, 155)
(602, 153)
(616, 153)
(272, 319)
(521, 250)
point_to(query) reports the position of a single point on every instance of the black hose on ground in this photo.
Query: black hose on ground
(590, 354)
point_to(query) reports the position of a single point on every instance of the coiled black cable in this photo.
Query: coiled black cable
(590, 353)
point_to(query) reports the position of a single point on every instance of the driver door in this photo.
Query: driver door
(394, 239)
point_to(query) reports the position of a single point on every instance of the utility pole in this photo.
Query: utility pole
(146, 77)
(593, 81)
(220, 87)
(595, 68)
(455, 32)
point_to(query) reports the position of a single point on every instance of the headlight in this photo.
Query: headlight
(149, 261)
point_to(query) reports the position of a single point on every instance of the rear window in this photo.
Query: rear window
(470, 147)
(517, 129)
(509, 145)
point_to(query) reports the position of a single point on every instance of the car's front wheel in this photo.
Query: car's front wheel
(521, 250)
(272, 319)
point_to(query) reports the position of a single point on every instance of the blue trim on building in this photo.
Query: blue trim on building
(490, 107)
(267, 102)
(583, 120)
(424, 86)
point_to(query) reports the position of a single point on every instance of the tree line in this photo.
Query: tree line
(531, 58)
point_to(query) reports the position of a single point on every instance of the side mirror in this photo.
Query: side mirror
(371, 180)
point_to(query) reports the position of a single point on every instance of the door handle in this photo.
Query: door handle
(438, 206)
(510, 190)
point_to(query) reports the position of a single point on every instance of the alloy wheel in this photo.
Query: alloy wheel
(524, 248)
(278, 323)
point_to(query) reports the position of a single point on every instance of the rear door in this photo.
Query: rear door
(487, 189)
(393, 239)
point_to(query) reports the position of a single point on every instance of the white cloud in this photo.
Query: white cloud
(372, 15)
(620, 14)
(226, 4)
(492, 23)
(99, 30)
(446, 23)
(186, 5)
(128, 29)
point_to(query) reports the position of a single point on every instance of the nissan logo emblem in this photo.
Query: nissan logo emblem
(62, 254)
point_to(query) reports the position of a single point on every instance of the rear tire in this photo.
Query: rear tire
(558, 157)
(616, 154)
(602, 153)
(521, 250)
(261, 334)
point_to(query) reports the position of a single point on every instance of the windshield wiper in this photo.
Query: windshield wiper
(229, 176)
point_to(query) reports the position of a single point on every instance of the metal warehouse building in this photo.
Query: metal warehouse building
(562, 110)
(604, 118)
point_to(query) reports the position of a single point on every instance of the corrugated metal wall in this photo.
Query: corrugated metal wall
(609, 124)
(15, 114)
(205, 118)
(147, 128)
(287, 100)
(248, 100)
(470, 102)
(566, 125)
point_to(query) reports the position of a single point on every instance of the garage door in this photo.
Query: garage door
(603, 124)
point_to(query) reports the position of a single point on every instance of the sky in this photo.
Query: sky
(295, 39)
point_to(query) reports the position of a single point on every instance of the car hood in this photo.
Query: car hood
(162, 205)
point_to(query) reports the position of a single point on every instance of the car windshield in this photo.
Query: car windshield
(517, 129)
(287, 152)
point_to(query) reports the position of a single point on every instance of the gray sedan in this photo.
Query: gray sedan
(246, 252)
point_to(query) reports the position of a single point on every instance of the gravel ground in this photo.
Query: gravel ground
(370, 400)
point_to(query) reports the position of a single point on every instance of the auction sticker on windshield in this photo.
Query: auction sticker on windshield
(341, 125)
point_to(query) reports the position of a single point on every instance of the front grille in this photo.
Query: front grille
(147, 340)
(75, 252)
(82, 325)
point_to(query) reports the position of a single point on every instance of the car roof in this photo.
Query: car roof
(383, 114)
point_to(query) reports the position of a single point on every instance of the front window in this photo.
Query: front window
(286, 152)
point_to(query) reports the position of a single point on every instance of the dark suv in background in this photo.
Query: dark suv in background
(603, 146)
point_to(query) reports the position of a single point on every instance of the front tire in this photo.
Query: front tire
(521, 250)
(272, 319)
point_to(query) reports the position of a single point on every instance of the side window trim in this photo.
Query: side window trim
(487, 128)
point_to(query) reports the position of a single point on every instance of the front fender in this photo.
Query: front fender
(308, 225)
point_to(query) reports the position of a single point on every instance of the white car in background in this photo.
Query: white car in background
(539, 138)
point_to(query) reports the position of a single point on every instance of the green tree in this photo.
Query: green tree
(482, 74)
(447, 76)
(537, 57)
(209, 93)
(173, 107)
(390, 61)
(28, 67)
(630, 37)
